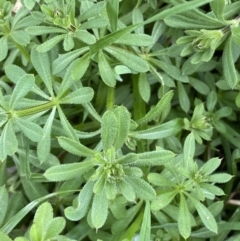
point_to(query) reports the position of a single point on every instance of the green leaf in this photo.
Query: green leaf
(184, 218)
(3, 48)
(4, 203)
(42, 65)
(236, 34)
(129, 59)
(217, 7)
(167, 129)
(141, 188)
(163, 199)
(212, 189)
(139, 39)
(109, 129)
(99, 210)
(54, 227)
(29, 3)
(193, 19)
(137, 17)
(123, 126)
(49, 44)
(85, 37)
(111, 190)
(21, 37)
(110, 39)
(31, 130)
(79, 96)
(158, 109)
(112, 8)
(105, 70)
(229, 70)
(183, 97)
(145, 231)
(92, 11)
(66, 125)
(64, 60)
(68, 42)
(67, 171)
(80, 66)
(155, 158)
(4, 237)
(75, 147)
(94, 23)
(44, 145)
(189, 151)
(211, 100)
(23, 86)
(84, 201)
(40, 30)
(144, 87)
(220, 177)
(210, 166)
(205, 215)
(14, 72)
(127, 190)
(42, 218)
(159, 180)
(8, 141)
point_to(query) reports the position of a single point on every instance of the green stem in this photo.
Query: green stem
(36, 109)
(110, 97)
(20, 47)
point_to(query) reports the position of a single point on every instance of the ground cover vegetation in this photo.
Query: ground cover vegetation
(119, 120)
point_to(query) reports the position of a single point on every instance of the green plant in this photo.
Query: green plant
(121, 114)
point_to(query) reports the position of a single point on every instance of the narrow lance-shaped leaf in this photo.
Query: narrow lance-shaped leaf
(31, 130)
(94, 23)
(84, 201)
(109, 129)
(217, 7)
(160, 180)
(3, 203)
(229, 70)
(20, 37)
(44, 145)
(40, 30)
(156, 110)
(3, 48)
(112, 8)
(66, 125)
(14, 72)
(210, 166)
(75, 147)
(80, 66)
(105, 70)
(163, 199)
(145, 232)
(129, 59)
(42, 217)
(123, 118)
(155, 158)
(183, 97)
(67, 171)
(99, 210)
(162, 131)
(127, 190)
(141, 188)
(205, 215)
(23, 86)
(42, 65)
(144, 87)
(85, 36)
(189, 151)
(54, 228)
(49, 44)
(136, 40)
(79, 96)
(8, 141)
(184, 219)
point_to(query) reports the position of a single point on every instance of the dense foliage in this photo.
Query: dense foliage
(119, 120)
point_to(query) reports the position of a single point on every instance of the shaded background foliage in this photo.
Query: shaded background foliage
(124, 116)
